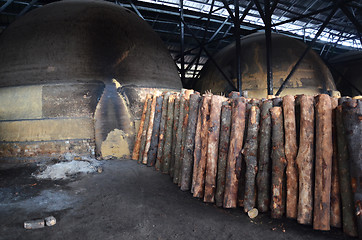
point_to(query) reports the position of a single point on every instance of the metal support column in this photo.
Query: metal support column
(182, 44)
(237, 46)
(268, 42)
(211, 58)
(325, 23)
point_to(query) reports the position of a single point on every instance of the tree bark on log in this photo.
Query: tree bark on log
(250, 153)
(323, 163)
(149, 129)
(304, 160)
(278, 162)
(184, 127)
(174, 134)
(234, 95)
(240, 163)
(201, 167)
(225, 128)
(352, 112)
(168, 134)
(212, 148)
(336, 217)
(179, 139)
(263, 176)
(161, 140)
(234, 156)
(197, 151)
(144, 131)
(348, 217)
(291, 150)
(187, 163)
(136, 148)
(152, 152)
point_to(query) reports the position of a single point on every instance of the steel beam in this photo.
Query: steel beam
(27, 7)
(260, 10)
(246, 11)
(226, 5)
(5, 5)
(274, 6)
(135, 9)
(204, 37)
(211, 58)
(325, 23)
(352, 18)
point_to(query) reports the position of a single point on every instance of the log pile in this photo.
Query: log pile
(296, 156)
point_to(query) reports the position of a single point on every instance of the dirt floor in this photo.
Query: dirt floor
(128, 201)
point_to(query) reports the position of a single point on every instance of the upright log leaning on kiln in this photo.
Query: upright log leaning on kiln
(212, 148)
(304, 160)
(168, 134)
(336, 211)
(323, 163)
(181, 134)
(278, 162)
(225, 128)
(152, 152)
(241, 164)
(291, 150)
(161, 139)
(184, 127)
(144, 131)
(352, 113)
(149, 129)
(137, 145)
(348, 216)
(187, 163)
(250, 153)
(178, 136)
(199, 182)
(174, 134)
(264, 164)
(234, 156)
(197, 150)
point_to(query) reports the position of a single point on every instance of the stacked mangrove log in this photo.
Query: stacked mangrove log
(296, 156)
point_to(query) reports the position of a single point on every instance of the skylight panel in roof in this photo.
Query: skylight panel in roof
(307, 27)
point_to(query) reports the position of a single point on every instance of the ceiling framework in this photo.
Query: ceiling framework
(194, 30)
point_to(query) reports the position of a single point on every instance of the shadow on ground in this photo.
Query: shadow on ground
(128, 201)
